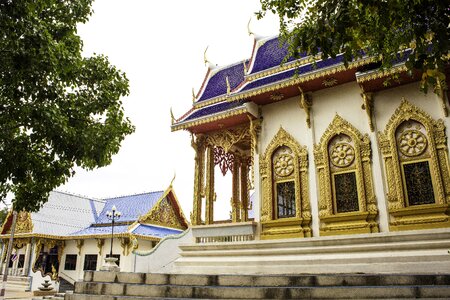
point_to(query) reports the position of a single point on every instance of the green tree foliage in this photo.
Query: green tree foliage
(57, 108)
(381, 28)
(3, 214)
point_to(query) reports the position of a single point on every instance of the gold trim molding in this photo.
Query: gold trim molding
(300, 225)
(402, 216)
(358, 162)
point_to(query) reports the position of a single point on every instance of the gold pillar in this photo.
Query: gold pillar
(244, 191)
(199, 148)
(235, 206)
(209, 218)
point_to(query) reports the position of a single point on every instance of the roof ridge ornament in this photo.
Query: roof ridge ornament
(193, 95)
(172, 116)
(209, 64)
(250, 32)
(248, 27)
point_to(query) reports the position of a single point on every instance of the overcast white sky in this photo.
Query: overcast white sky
(160, 45)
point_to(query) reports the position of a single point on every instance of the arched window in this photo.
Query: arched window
(285, 209)
(415, 156)
(346, 199)
(284, 182)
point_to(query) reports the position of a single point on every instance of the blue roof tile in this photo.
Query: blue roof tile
(217, 86)
(101, 230)
(131, 207)
(291, 73)
(213, 109)
(269, 55)
(155, 231)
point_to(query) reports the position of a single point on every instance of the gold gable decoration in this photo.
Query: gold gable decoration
(24, 223)
(162, 214)
(421, 142)
(296, 168)
(344, 154)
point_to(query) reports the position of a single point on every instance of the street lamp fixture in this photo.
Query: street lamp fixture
(110, 262)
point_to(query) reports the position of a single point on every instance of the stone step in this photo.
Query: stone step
(267, 280)
(263, 292)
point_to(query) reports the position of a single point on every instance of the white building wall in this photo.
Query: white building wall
(346, 101)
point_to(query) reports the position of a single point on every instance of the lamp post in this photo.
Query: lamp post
(110, 262)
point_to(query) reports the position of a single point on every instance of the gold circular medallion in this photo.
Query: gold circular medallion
(412, 143)
(284, 165)
(342, 155)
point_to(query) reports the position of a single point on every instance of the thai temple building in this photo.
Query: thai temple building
(71, 234)
(348, 166)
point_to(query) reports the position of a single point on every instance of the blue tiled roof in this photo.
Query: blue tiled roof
(155, 231)
(101, 230)
(270, 55)
(217, 86)
(298, 71)
(213, 109)
(131, 207)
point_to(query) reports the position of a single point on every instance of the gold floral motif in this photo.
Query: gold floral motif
(345, 148)
(342, 154)
(412, 143)
(428, 144)
(230, 137)
(284, 165)
(283, 143)
(276, 96)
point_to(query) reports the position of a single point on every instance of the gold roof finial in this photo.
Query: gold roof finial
(248, 27)
(193, 95)
(228, 85)
(173, 179)
(205, 59)
(171, 116)
(245, 67)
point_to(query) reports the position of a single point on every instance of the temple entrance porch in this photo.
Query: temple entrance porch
(230, 150)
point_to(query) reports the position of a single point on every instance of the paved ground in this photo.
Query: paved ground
(18, 295)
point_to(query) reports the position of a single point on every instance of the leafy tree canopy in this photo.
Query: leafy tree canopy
(381, 28)
(57, 108)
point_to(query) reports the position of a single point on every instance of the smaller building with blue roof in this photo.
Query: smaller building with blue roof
(71, 234)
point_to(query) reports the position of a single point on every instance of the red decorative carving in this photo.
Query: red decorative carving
(223, 159)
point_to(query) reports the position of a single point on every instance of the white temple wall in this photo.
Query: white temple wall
(346, 101)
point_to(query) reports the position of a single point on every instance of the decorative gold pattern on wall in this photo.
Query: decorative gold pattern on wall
(199, 147)
(127, 245)
(413, 142)
(368, 107)
(306, 105)
(229, 137)
(162, 214)
(343, 157)
(294, 167)
(100, 243)
(80, 244)
(48, 244)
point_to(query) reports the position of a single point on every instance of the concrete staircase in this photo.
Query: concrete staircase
(142, 286)
(18, 283)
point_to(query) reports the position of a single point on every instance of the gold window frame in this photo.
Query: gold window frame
(405, 190)
(275, 198)
(300, 225)
(333, 185)
(363, 220)
(402, 216)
